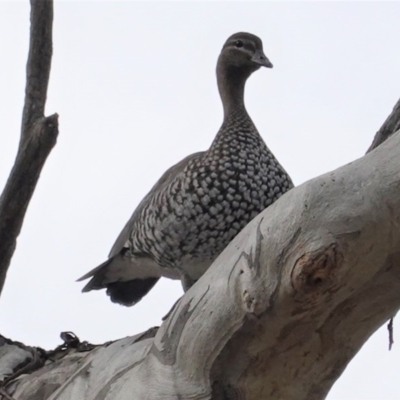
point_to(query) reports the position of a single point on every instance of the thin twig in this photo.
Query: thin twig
(390, 329)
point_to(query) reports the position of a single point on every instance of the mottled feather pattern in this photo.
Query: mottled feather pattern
(212, 199)
(201, 203)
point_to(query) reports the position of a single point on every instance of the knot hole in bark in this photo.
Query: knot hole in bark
(316, 271)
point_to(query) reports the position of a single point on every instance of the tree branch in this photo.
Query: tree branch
(38, 134)
(389, 127)
(280, 313)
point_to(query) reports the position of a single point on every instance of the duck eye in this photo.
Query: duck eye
(238, 44)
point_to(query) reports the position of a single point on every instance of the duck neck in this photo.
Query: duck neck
(231, 83)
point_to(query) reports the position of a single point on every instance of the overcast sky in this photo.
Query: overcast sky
(134, 85)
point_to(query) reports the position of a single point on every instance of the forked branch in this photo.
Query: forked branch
(38, 134)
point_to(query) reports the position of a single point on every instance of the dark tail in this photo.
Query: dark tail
(126, 281)
(130, 292)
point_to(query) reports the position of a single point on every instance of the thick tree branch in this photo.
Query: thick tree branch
(38, 134)
(280, 313)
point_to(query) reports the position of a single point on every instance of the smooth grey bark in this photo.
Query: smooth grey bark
(280, 313)
(391, 125)
(38, 134)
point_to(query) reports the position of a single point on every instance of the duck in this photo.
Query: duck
(201, 203)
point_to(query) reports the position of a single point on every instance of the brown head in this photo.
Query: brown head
(244, 51)
(241, 55)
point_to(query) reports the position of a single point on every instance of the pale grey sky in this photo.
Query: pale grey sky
(134, 85)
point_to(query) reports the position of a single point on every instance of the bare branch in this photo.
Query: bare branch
(39, 62)
(390, 126)
(38, 134)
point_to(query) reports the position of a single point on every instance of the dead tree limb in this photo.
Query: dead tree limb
(38, 134)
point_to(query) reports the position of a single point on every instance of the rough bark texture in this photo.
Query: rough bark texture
(38, 134)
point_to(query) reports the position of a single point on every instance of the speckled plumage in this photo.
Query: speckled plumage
(212, 199)
(203, 202)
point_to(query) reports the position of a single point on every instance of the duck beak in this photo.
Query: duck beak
(261, 59)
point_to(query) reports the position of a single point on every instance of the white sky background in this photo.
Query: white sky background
(134, 84)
